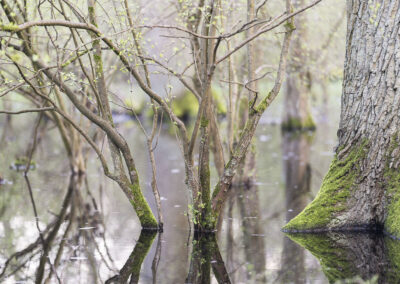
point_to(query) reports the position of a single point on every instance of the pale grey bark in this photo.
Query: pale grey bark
(370, 101)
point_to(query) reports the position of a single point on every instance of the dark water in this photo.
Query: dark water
(99, 238)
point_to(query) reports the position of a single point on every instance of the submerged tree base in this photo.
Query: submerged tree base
(143, 211)
(332, 197)
(297, 124)
(346, 202)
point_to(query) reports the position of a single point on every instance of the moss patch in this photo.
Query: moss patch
(392, 222)
(298, 124)
(22, 161)
(333, 195)
(393, 252)
(142, 208)
(9, 27)
(185, 105)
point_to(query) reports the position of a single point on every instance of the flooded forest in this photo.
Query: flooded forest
(199, 141)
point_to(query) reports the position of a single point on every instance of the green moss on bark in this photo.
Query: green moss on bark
(204, 122)
(333, 195)
(9, 27)
(392, 180)
(142, 208)
(393, 251)
(392, 222)
(99, 63)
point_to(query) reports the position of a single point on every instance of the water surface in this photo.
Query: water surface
(100, 240)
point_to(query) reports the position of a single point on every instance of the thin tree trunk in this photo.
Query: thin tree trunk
(130, 186)
(361, 189)
(247, 174)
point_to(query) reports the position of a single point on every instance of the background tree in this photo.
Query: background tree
(297, 110)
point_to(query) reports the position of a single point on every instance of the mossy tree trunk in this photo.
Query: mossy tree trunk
(130, 185)
(361, 189)
(297, 114)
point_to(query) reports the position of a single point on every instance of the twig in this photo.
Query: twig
(28, 110)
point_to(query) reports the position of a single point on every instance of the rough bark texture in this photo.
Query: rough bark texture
(297, 114)
(361, 188)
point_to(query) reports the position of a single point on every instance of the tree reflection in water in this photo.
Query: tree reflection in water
(77, 234)
(297, 170)
(206, 255)
(76, 244)
(130, 272)
(351, 256)
(72, 236)
(355, 257)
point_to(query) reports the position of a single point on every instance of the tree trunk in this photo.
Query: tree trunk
(297, 114)
(361, 190)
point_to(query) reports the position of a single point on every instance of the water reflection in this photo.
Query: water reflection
(206, 255)
(71, 236)
(130, 272)
(99, 238)
(354, 256)
(297, 173)
(253, 231)
(246, 201)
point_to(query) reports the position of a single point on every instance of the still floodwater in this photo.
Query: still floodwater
(99, 234)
